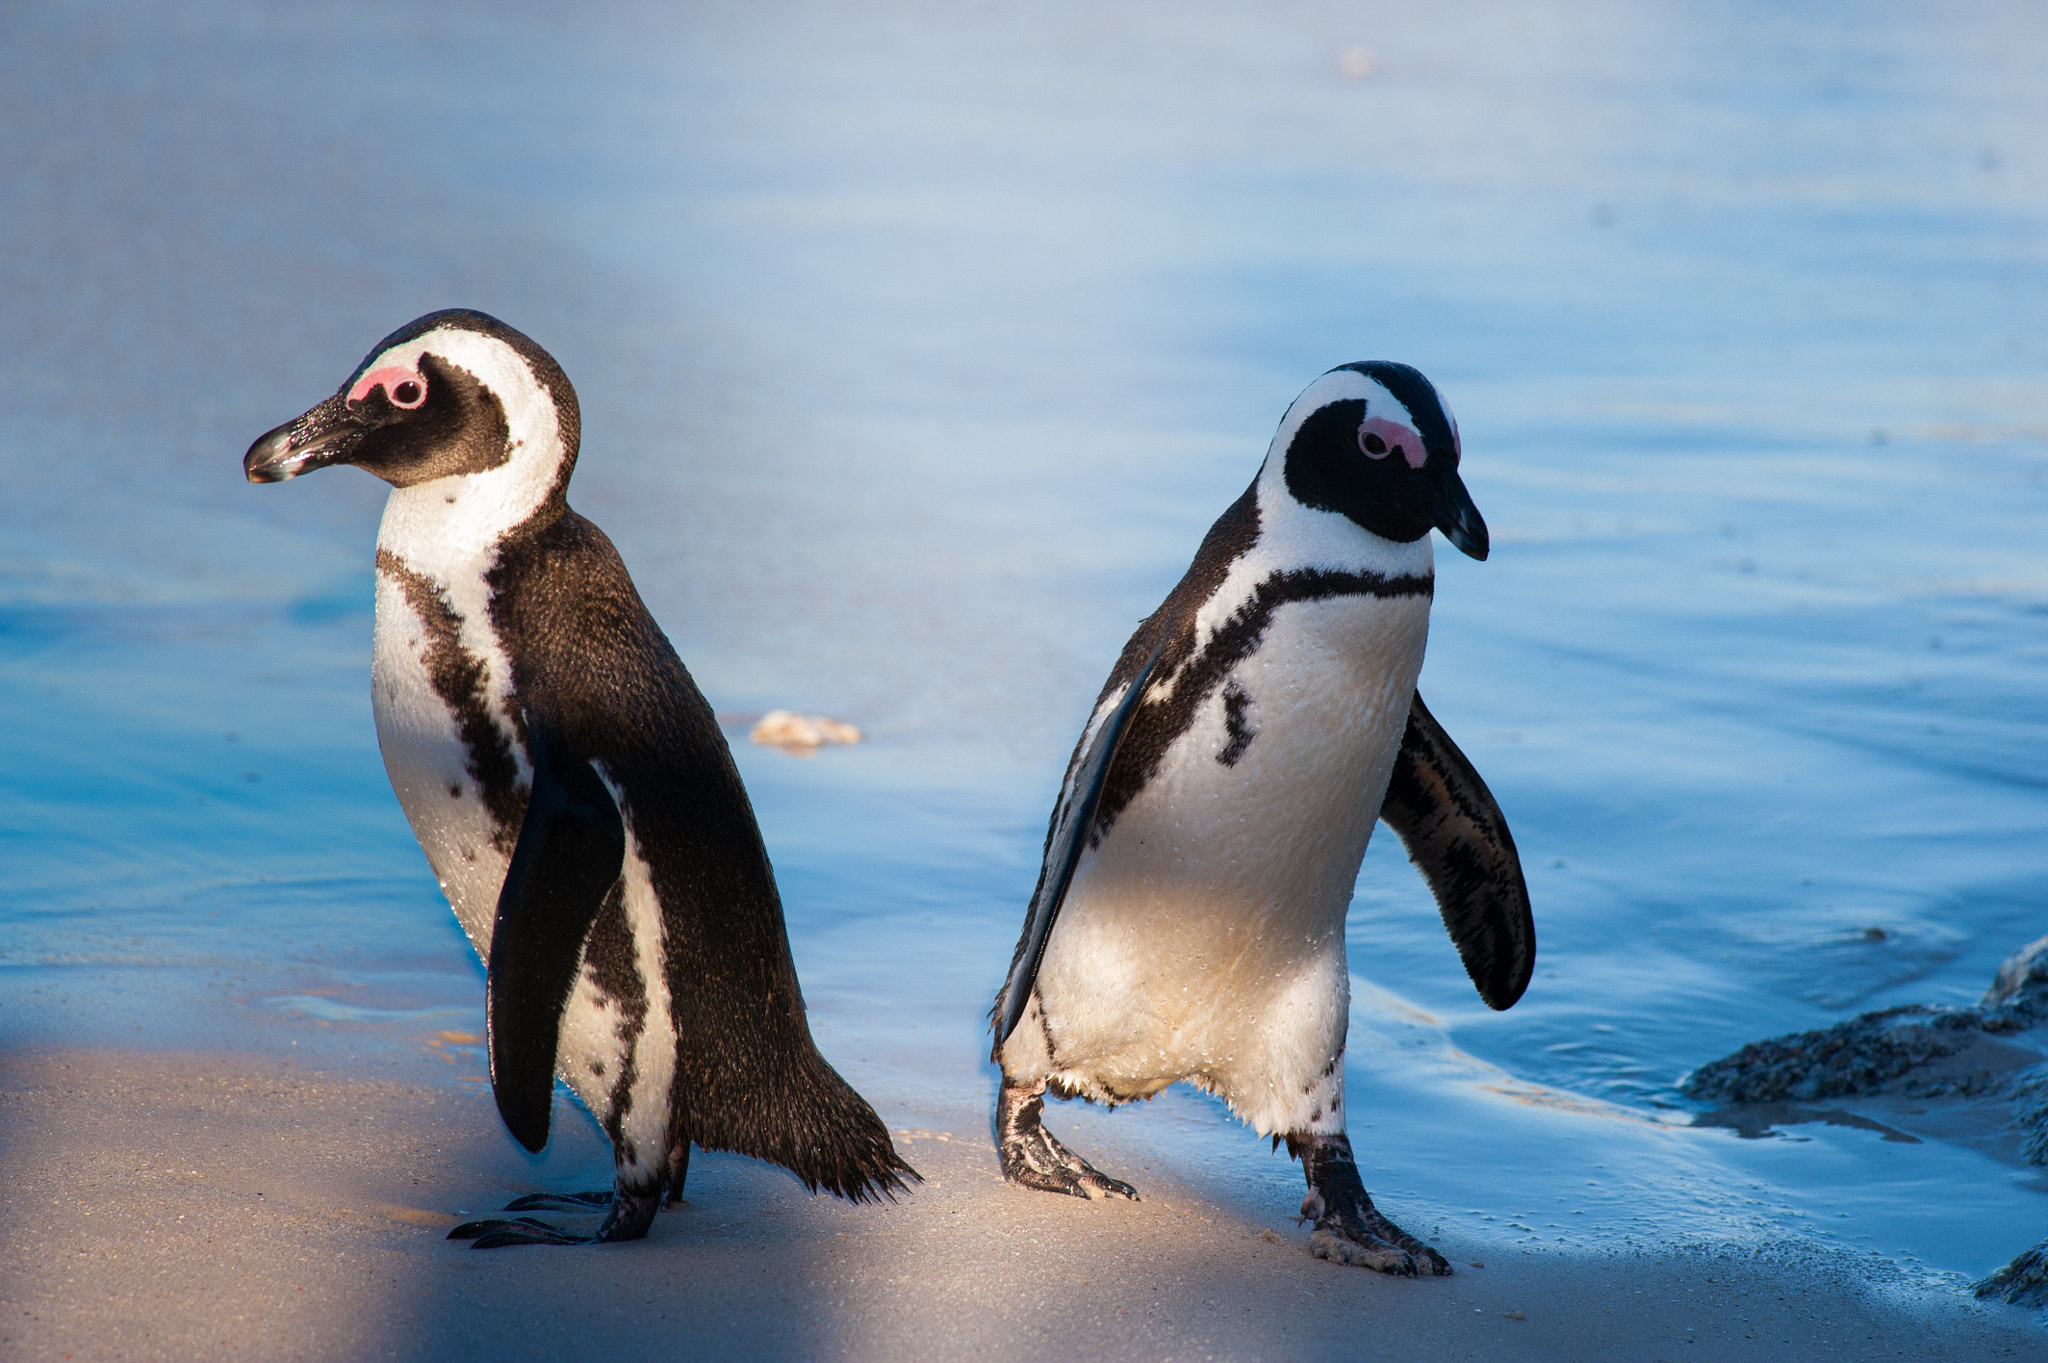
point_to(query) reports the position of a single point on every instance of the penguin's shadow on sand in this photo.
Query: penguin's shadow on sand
(739, 1269)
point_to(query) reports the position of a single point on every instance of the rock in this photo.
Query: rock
(2021, 986)
(1862, 1055)
(2024, 1281)
(1917, 1051)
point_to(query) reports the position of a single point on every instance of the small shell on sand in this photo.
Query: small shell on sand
(804, 734)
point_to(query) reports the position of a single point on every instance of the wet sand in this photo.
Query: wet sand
(176, 1206)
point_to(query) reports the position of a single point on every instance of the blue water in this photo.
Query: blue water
(917, 346)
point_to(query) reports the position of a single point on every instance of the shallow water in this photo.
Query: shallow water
(917, 347)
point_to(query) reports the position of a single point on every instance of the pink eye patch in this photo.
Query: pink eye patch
(1379, 437)
(402, 386)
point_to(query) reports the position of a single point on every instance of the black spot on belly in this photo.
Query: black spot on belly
(460, 679)
(1237, 705)
(1190, 672)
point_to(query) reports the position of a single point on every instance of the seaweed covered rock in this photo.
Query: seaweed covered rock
(1917, 1051)
(1858, 1056)
(2020, 989)
(2023, 1282)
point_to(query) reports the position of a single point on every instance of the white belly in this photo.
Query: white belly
(1204, 939)
(429, 763)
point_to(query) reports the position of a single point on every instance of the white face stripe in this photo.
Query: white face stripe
(1293, 536)
(1339, 385)
(452, 519)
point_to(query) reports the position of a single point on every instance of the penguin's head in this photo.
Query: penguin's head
(1373, 442)
(455, 393)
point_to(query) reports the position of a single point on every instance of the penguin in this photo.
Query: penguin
(1188, 923)
(572, 791)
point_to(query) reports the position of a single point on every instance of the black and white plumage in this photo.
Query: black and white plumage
(1189, 918)
(571, 789)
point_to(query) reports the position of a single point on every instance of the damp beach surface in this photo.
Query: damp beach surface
(917, 346)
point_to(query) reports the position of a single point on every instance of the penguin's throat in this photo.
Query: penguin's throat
(1297, 536)
(456, 526)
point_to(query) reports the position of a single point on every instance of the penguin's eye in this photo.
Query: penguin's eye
(1379, 437)
(402, 386)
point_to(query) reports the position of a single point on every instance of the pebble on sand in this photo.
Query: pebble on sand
(792, 732)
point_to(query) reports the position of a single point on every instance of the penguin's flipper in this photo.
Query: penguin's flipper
(1458, 838)
(1063, 850)
(570, 852)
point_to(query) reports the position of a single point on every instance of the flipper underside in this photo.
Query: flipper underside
(1459, 840)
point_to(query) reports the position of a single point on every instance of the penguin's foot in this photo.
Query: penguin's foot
(518, 1231)
(628, 1215)
(1034, 1157)
(1348, 1228)
(525, 1230)
(562, 1202)
(592, 1203)
(1375, 1243)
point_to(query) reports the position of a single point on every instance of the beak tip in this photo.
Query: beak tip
(269, 459)
(1448, 506)
(321, 437)
(1469, 535)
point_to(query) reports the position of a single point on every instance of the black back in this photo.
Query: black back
(590, 662)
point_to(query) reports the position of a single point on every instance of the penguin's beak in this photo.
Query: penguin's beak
(1448, 505)
(321, 437)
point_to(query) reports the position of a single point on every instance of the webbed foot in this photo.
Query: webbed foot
(628, 1214)
(496, 1233)
(1348, 1228)
(562, 1202)
(1034, 1157)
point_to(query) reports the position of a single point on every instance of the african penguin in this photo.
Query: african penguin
(572, 791)
(1189, 918)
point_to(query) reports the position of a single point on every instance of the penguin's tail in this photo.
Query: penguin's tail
(810, 1121)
